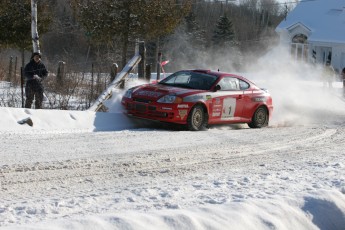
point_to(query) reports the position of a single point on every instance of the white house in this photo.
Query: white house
(315, 31)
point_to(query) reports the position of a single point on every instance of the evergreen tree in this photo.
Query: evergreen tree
(196, 35)
(15, 22)
(223, 34)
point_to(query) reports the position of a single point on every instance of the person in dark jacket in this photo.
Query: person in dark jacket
(34, 73)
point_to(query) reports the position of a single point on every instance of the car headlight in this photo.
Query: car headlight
(128, 93)
(170, 99)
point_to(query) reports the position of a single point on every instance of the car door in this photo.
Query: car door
(227, 102)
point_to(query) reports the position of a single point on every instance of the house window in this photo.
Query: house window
(299, 47)
(300, 38)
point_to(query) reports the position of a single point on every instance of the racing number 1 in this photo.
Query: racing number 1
(229, 103)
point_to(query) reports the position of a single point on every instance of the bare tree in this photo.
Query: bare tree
(34, 30)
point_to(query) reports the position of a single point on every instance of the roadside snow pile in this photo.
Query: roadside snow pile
(325, 210)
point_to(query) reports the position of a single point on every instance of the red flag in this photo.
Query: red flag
(164, 63)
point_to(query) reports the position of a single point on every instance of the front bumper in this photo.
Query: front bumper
(156, 111)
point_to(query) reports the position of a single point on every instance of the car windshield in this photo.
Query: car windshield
(191, 80)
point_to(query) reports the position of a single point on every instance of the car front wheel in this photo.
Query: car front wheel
(260, 118)
(197, 119)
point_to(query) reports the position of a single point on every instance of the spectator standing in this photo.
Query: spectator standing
(328, 75)
(35, 72)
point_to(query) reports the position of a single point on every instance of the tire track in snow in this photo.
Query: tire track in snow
(186, 159)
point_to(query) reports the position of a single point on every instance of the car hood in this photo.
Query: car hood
(156, 91)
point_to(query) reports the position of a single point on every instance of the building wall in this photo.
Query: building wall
(339, 56)
(337, 50)
(322, 49)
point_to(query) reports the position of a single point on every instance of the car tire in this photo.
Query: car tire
(197, 119)
(260, 118)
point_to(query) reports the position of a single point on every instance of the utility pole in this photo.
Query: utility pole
(34, 31)
(286, 11)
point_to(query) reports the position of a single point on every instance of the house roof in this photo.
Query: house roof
(324, 18)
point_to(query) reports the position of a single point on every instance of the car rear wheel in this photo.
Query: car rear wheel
(260, 118)
(197, 120)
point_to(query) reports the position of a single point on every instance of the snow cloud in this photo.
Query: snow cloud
(299, 95)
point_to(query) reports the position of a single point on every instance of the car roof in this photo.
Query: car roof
(219, 74)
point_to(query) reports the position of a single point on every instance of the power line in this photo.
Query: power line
(232, 2)
(294, 2)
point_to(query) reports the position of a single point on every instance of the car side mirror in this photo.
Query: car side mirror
(217, 88)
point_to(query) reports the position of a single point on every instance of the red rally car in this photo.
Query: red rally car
(198, 98)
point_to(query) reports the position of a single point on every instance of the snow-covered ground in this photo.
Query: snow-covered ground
(86, 170)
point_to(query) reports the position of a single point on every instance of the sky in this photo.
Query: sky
(89, 170)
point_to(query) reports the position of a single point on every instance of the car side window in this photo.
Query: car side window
(229, 83)
(244, 85)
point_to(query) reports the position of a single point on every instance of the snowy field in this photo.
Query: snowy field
(86, 170)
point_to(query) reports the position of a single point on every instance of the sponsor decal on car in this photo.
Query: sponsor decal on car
(183, 106)
(259, 99)
(182, 113)
(197, 97)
